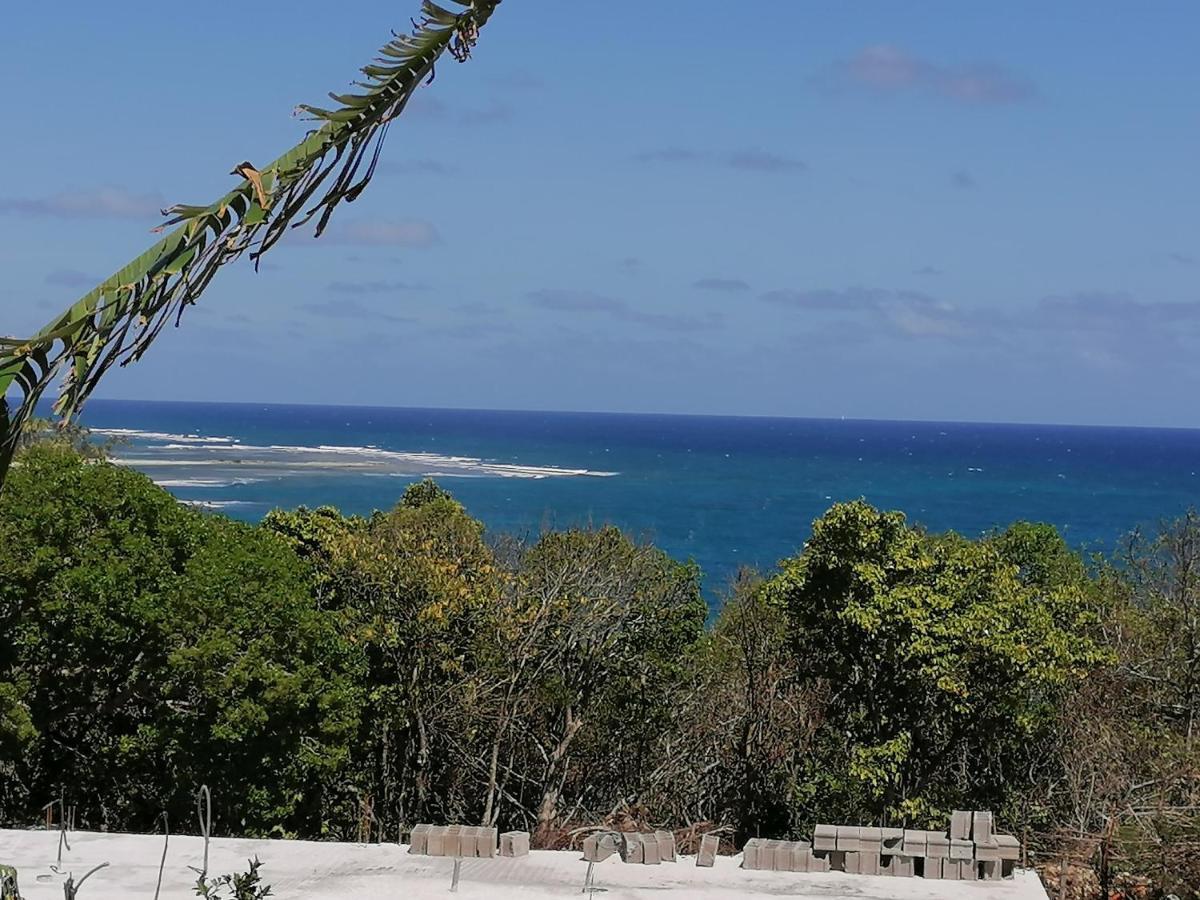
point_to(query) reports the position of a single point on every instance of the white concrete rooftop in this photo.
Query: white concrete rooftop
(301, 870)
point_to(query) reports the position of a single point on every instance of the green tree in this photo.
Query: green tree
(161, 648)
(944, 660)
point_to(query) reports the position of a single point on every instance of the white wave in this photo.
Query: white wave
(281, 458)
(216, 504)
(187, 439)
(204, 482)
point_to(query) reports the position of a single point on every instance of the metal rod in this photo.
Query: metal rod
(454, 879)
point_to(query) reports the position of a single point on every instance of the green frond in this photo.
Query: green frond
(116, 322)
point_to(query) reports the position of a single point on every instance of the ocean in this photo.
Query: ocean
(726, 492)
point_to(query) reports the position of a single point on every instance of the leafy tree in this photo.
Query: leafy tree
(162, 647)
(944, 660)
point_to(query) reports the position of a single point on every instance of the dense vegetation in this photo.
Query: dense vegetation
(345, 677)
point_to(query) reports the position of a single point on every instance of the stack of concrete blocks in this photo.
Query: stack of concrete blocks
(600, 846)
(514, 844)
(781, 856)
(463, 841)
(971, 851)
(648, 848)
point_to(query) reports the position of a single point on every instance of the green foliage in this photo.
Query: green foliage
(944, 659)
(237, 886)
(161, 647)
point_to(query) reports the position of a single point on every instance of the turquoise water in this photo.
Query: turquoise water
(726, 492)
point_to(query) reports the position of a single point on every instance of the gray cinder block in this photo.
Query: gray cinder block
(960, 825)
(892, 840)
(666, 845)
(937, 845)
(514, 844)
(853, 863)
(452, 845)
(435, 842)
(968, 870)
(950, 869)
(750, 853)
(990, 870)
(801, 853)
(485, 843)
(868, 863)
(632, 850)
(848, 838)
(650, 852)
(710, 844)
(981, 827)
(932, 870)
(816, 863)
(1010, 847)
(902, 866)
(915, 842)
(961, 849)
(468, 841)
(825, 837)
(987, 852)
(598, 847)
(418, 840)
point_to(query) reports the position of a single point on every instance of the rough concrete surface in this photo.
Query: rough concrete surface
(300, 870)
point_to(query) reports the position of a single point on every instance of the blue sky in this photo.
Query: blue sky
(882, 210)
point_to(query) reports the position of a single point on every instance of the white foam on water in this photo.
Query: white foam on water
(186, 439)
(280, 458)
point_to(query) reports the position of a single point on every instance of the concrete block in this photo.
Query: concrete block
(750, 853)
(825, 837)
(468, 845)
(892, 840)
(937, 845)
(848, 838)
(1010, 847)
(835, 858)
(987, 852)
(902, 866)
(990, 870)
(960, 826)
(961, 849)
(915, 843)
(801, 853)
(932, 869)
(710, 844)
(514, 844)
(981, 827)
(436, 841)
(853, 862)
(599, 847)
(816, 863)
(666, 845)
(452, 845)
(968, 870)
(485, 843)
(650, 853)
(950, 869)
(632, 850)
(868, 863)
(418, 840)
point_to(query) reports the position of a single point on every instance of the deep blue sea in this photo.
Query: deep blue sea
(726, 492)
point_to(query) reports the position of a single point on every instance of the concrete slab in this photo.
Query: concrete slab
(328, 871)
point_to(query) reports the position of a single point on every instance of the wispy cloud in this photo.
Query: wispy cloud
(908, 313)
(748, 160)
(352, 310)
(71, 278)
(375, 287)
(928, 271)
(722, 285)
(962, 179)
(100, 203)
(886, 69)
(586, 302)
(384, 233)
